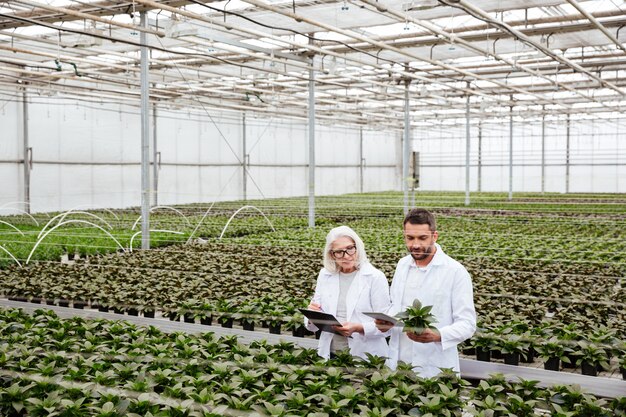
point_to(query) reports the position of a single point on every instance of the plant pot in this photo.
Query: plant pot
(496, 354)
(173, 316)
(117, 310)
(298, 331)
(132, 312)
(103, 308)
(35, 300)
(264, 324)
(588, 369)
(572, 363)
(21, 299)
(50, 302)
(623, 370)
(248, 326)
(469, 351)
(275, 329)
(189, 318)
(63, 303)
(529, 355)
(228, 323)
(149, 314)
(483, 355)
(207, 321)
(552, 364)
(511, 358)
(79, 305)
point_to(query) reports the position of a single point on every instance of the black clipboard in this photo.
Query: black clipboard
(323, 321)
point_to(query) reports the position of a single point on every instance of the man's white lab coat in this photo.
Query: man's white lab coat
(447, 287)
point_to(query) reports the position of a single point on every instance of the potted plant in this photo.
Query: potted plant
(554, 352)
(247, 316)
(591, 357)
(483, 343)
(417, 318)
(296, 325)
(512, 347)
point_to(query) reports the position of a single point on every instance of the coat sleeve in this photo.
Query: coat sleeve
(463, 313)
(379, 299)
(316, 297)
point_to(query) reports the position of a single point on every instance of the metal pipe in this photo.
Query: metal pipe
(361, 160)
(467, 149)
(543, 151)
(26, 150)
(406, 148)
(155, 166)
(567, 154)
(480, 155)
(145, 140)
(511, 151)
(311, 122)
(244, 174)
(597, 24)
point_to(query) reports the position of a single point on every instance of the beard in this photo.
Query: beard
(422, 253)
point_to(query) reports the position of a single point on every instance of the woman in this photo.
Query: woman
(347, 286)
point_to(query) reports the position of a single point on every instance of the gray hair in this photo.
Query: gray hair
(336, 233)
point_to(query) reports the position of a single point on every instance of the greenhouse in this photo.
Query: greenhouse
(208, 208)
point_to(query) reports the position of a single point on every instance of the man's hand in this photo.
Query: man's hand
(314, 306)
(347, 328)
(427, 336)
(383, 325)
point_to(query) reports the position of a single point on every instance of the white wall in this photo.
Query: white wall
(597, 156)
(88, 155)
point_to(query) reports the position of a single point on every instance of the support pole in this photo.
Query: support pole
(26, 149)
(311, 122)
(480, 155)
(567, 154)
(406, 148)
(467, 149)
(243, 159)
(543, 149)
(155, 167)
(511, 151)
(145, 139)
(361, 160)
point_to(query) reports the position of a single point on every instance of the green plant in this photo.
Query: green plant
(416, 318)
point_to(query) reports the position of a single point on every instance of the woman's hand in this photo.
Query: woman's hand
(315, 306)
(347, 328)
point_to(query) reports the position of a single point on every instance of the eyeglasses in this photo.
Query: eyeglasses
(340, 253)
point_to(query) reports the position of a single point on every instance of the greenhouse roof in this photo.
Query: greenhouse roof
(538, 57)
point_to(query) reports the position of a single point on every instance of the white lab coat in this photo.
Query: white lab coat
(448, 288)
(368, 292)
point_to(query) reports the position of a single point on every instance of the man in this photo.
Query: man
(434, 278)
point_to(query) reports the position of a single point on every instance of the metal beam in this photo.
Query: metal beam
(26, 150)
(511, 151)
(361, 160)
(406, 148)
(145, 140)
(467, 149)
(543, 151)
(567, 155)
(311, 123)
(480, 155)
(597, 24)
(244, 156)
(155, 157)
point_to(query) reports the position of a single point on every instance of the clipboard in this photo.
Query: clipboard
(382, 316)
(323, 321)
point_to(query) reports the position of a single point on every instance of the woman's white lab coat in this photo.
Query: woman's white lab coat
(369, 292)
